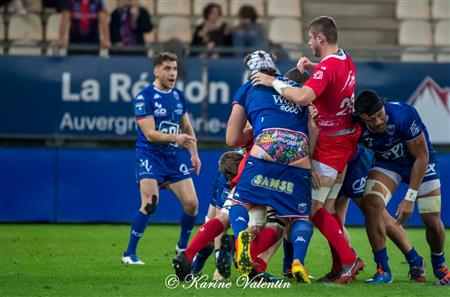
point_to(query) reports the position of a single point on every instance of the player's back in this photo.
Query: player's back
(265, 108)
(333, 81)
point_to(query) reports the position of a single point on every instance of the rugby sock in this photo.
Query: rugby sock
(413, 258)
(336, 266)
(438, 261)
(187, 223)
(238, 219)
(201, 257)
(301, 233)
(328, 226)
(288, 255)
(205, 235)
(138, 226)
(381, 259)
(263, 241)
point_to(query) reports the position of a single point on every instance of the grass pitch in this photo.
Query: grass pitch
(84, 260)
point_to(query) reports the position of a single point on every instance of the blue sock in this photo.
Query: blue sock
(201, 257)
(301, 233)
(238, 219)
(187, 223)
(288, 255)
(381, 258)
(438, 261)
(413, 258)
(140, 222)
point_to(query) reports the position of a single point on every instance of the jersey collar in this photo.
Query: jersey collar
(339, 55)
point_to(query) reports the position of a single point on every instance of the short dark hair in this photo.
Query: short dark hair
(325, 25)
(160, 58)
(208, 8)
(368, 102)
(229, 163)
(248, 12)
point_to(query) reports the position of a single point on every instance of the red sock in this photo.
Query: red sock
(259, 264)
(336, 266)
(335, 236)
(263, 241)
(205, 235)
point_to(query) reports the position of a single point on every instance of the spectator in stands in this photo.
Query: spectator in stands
(248, 33)
(17, 5)
(212, 32)
(129, 22)
(85, 18)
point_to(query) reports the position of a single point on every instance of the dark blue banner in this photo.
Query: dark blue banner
(91, 96)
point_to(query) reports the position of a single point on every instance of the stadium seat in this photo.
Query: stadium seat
(174, 27)
(25, 28)
(177, 7)
(257, 4)
(443, 55)
(20, 48)
(149, 5)
(417, 9)
(415, 32)
(52, 28)
(111, 5)
(416, 56)
(289, 8)
(440, 9)
(285, 30)
(2, 28)
(200, 4)
(442, 33)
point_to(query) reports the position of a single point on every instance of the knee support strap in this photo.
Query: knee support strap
(377, 188)
(151, 207)
(429, 204)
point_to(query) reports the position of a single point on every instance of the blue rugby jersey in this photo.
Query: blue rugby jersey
(403, 125)
(265, 108)
(167, 109)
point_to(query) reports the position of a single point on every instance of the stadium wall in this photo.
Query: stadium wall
(98, 185)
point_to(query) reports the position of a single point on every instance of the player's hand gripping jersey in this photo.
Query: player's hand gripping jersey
(167, 108)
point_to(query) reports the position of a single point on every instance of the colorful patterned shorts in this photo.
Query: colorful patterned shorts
(284, 146)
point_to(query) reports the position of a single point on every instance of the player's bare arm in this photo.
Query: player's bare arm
(186, 127)
(419, 150)
(305, 64)
(236, 134)
(313, 136)
(147, 126)
(298, 95)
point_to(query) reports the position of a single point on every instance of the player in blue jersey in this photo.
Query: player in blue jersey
(165, 141)
(403, 153)
(277, 172)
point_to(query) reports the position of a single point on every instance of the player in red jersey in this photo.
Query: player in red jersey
(331, 90)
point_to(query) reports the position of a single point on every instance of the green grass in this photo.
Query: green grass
(84, 260)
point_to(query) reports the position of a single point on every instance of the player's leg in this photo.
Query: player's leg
(301, 232)
(149, 200)
(200, 258)
(397, 234)
(377, 193)
(185, 192)
(328, 225)
(429, 206)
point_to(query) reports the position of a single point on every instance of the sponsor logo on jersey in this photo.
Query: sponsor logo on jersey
(390, 129)
(359, 184)
(175, 94)
(395, 152)
(144, 163)
(318, 75)
(139, 109)
(431, 169)
(157, 96)
(302, 207)
(159, 110)
(184, 169)
(414, 129)
(273, 184)
(140, 97)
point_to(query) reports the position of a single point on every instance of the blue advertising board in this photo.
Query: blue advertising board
(91, 96)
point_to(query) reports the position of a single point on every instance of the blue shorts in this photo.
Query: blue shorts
(221, 191)
(403, 170)
(285, 188)
(356, 176)
(163, 168)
